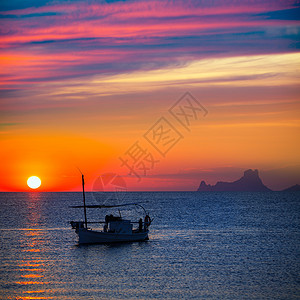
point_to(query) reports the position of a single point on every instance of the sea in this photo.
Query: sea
(215, 245)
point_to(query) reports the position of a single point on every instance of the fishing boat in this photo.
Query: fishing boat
(115, 228)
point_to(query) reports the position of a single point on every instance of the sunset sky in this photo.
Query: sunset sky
(84, 84)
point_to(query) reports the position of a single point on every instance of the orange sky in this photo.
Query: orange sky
(68, 101)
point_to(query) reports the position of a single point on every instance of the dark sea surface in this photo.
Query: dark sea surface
(202, 246)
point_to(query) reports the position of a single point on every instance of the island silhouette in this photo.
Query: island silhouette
(294, 188)
(249, 182)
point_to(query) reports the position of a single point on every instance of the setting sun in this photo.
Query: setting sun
(34, 182)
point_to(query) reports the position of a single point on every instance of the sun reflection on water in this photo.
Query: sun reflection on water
(32, 276)
(31, 270)
(34, 292)
(31, 298)
(32, 267)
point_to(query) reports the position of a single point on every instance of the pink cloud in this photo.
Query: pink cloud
(82, 35)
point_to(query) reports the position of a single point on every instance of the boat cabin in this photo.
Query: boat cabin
(118, 226)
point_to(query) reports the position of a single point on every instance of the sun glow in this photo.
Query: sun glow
(34, 182)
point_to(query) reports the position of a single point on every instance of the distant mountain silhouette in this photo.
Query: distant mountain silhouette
(250, 182)
(294, 188)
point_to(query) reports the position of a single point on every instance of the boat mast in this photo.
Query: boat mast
(84, 206)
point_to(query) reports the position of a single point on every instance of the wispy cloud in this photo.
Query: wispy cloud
(62, 40)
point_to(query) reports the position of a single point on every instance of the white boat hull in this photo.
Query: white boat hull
(87, 236)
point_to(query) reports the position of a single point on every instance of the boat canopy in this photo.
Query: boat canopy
(108, 206)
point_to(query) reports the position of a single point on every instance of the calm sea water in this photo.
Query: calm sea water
(202, 246)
